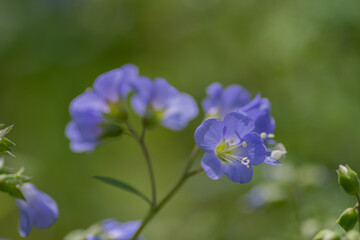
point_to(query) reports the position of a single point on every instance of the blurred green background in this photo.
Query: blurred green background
(303, 55)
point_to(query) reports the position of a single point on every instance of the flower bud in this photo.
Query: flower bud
(327, 235)
(353, 235)
(348, 219)
(348, 179)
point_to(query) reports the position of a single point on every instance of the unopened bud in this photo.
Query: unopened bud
(348, 179)
(327, 235)
(348, 219)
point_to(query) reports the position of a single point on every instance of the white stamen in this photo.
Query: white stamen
(245, 161)
(276, 154)
(263, 135)
(244, 144)
(232, 140)
(271, 135)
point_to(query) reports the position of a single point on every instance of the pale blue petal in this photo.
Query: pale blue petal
(238, 172)
(255, 150)
(271, 161)
(179, 111)
(237, 125)
(212, 165)
(106, 85)
(209, 134)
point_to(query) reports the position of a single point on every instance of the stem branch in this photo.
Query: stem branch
(185, 175)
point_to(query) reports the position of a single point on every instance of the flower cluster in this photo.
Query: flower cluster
(100, 112)
(237, 134)
(107, 229)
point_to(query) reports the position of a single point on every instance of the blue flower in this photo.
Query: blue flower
(120, 231)
(157, 101)
(89, 126)
(231, 146)
(87, 112)
(112, 229)
(259, 110)
(221, 101)
(38, 210)
(115, 85)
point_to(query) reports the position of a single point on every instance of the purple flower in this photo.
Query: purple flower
(221, 101)
(231, 146)
(157, 101)
(38, 210)
(259, 110)
(88, 125)
(111, 229)
(87, 112)
(120, 231)
(115, 85)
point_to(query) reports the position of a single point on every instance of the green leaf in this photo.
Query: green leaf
(5, 131)
(11, 180)
(122, 185)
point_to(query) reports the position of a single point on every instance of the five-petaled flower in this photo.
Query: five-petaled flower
(38, 210)
(231, 146)
(158, 101)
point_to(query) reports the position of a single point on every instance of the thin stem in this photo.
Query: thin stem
(150, 168)
(141, 140)
(185, 175)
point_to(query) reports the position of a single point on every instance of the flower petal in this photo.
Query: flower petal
(212, 165)
(26, 218)
(209, 134)
(88, 101)
(237, 125)
(163, 92)
(106, 85)
(255, 150)
(271, 161)
(180, 110)
(235, 96)
(238, 172)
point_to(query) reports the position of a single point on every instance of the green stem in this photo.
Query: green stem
(185, 175)
(141, 140)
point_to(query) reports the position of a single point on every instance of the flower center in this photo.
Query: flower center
(229, 152)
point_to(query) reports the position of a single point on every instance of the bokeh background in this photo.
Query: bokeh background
(303, 55)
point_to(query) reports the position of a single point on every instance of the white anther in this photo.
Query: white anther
(232, 140)
(271, 135)
(245, 161)
(244, 144)
(263, 135)
(276, 154)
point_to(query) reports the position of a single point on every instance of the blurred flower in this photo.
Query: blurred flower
(38, 210)
(159, 102)
(95, 113)
(262, 194)
(221, 101)
(108, 229)
(231, 147)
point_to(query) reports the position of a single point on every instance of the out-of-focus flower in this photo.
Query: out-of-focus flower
(106, 230)
(38, 210)
(93, 113)
(159, 102)
(266, 193)
(231, 146)
(221, 101)
(120, 231)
